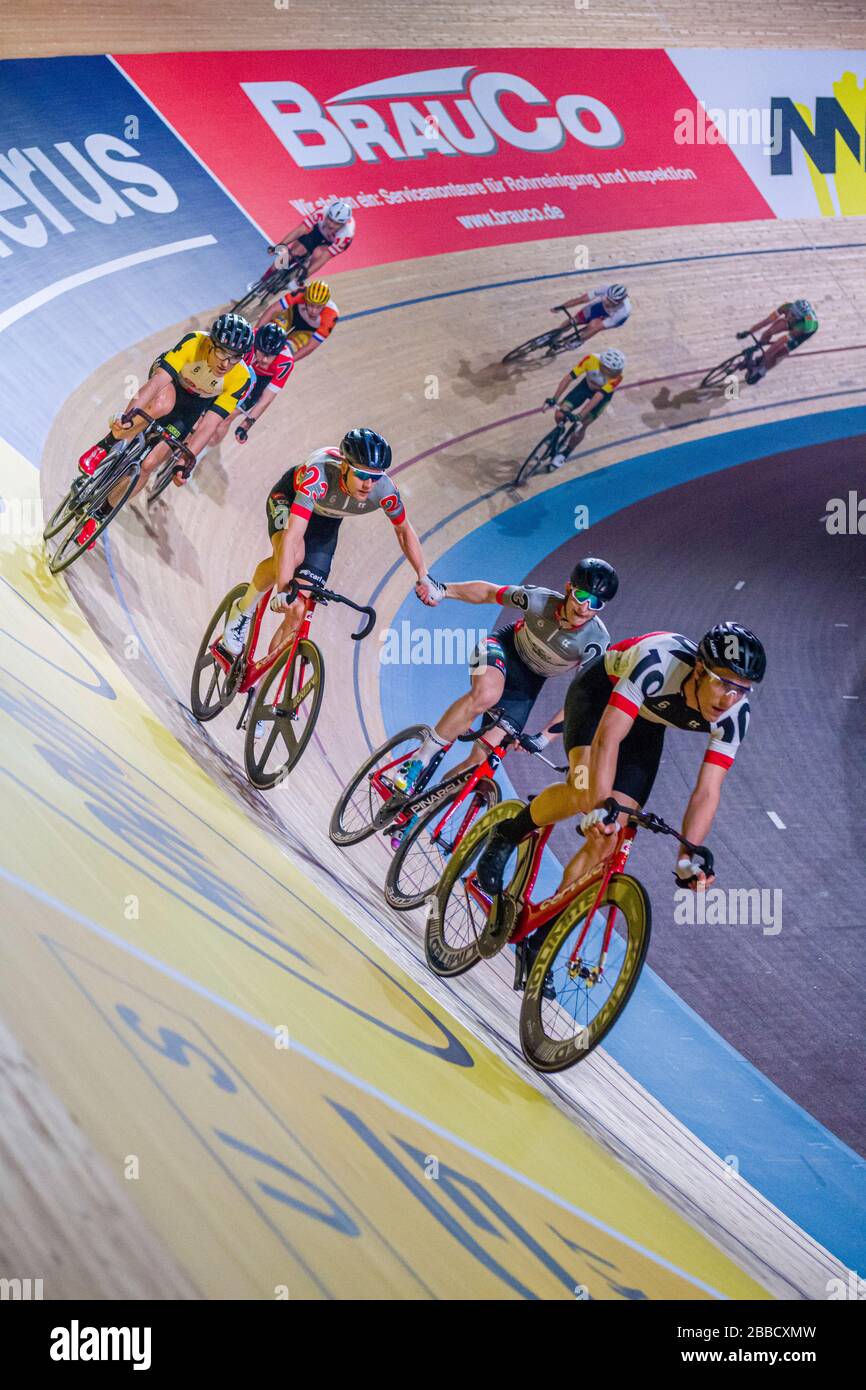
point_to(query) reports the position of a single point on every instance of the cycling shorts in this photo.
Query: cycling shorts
(581, 393)
(521, 684)
(640, 751)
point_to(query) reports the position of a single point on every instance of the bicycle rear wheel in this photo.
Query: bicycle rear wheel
(288, 721)
(352, 817)
(75, 513)
(210, 689)
(539, 456)
(458, 910)
(554, 340)
(590, 994)
(417, 865)
(718, 375)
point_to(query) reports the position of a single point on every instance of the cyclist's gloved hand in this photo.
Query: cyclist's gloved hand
(744, 334)
(429, 590)
(596, 818)
(533, 743)
(122, 429)
(549, 403)
(242, 433)
(689, 872)
(557, 308)
(281, 602)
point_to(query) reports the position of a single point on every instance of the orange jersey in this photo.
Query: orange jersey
(298, 317)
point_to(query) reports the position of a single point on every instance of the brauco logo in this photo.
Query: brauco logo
(406, 117)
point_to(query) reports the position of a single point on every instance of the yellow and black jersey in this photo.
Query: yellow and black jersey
(188, 364)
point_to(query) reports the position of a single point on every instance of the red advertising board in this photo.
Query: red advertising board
(445, 150)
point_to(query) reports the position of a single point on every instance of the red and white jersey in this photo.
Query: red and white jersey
(648, 674)
(319, 488)
(278, 373)
(340, 242)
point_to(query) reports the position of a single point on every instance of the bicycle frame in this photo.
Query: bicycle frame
(419, 803)
(254, 670)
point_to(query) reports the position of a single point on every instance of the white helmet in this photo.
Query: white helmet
(338, 211)
(616, 294)
(613, 360)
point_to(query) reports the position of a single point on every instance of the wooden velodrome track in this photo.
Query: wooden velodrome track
(164, 581)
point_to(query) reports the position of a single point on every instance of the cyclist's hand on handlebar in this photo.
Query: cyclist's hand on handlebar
(242, 433)
(744, 334)
(534, 743)
(549, 403)
(594, 821)
(429, 591)
(557, 308)
(124, 429)
(689, 873)
(281, 602)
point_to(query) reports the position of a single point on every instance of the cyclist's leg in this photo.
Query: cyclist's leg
(487, 679)
(278, 507)
(320, 543)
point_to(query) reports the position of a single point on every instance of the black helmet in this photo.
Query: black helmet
(366, 449)
(270, 339)
(596, 577)
(232, 331)
(735, 648)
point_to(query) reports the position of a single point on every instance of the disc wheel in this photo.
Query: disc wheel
(557, 1032)
(457, 911)
(420, 859)
(212, 688)
(286, 722)
(352, 817)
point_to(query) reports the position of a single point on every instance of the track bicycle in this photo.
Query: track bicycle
(742, 361)
(274, 281)
(578, 954)
(283, 689)
(555, 340)
(564, 438)
(121, 466)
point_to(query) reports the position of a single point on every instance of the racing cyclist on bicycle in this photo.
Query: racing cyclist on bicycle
(616, 713)
(608, 307)
(192, 388)
(317, 236)
(556, 634)
(789, 325)
(271, 363)
(305, 510)
(307, 318)
(597, 378)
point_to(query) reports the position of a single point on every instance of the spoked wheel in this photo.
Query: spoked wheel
(555, 340)
(161, 480)
(719, 374)
(256, 294)
(540, 455)
(67, 508)
(458, 910)
(428, 841)
(590, 993)
(212, 688)
(286, 720)
(74, 512)
(352, 818)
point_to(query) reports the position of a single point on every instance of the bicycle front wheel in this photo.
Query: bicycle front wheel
(278, 730)
(360, 799)
(586, 991)
(543, 342)
(426, 845)
(76, 512)
(161, 479)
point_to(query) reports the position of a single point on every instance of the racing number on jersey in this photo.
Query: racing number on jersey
(391, 505)
(310, 482)
(654, 680)
(282, 373)
(591, 651)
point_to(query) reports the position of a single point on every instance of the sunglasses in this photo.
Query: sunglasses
(727, 685)
(362, 475)
(581, 596)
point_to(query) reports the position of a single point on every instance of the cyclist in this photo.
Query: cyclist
(616, 713)
(271, 363)
(317, 236)
(307, 318)
(199, 382)
(597, 378)
(305, 510)
(790, 325)
(557, 633)
(608, 307)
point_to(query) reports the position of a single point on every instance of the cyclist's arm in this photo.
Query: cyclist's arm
(595, 399)
(567, 382)
(270, 314)
(570, 303)
(308, 347)
(149, 391)
(613, 727)
(407, 539)
(317, 260)
(293, 234)
(703, 804)
(474, 591)
(291, 549)
(771, 318)
(257, 411)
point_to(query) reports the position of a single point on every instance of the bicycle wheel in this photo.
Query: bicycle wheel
(255, 294)
(211, 689)
(457, 911)
(591, 993)
(418, 863)
(543, 342)
(126, 470)
(360, 799)
(288, 723)
(540, 455)
(66, 509)
(725, 369)
(160, 480)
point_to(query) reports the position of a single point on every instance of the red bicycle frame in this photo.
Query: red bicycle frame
(487, 768)
(254, 670)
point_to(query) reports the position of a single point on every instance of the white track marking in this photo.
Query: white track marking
(779, 824)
